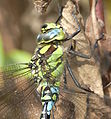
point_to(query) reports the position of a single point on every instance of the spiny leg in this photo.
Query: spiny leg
(60, 14)
(71, 36)
(76, 32)
(73, 77)
(77, 53)
(64, 77)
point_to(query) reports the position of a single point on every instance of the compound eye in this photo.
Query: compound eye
(44, 26)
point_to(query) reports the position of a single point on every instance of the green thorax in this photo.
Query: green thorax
(50, 62)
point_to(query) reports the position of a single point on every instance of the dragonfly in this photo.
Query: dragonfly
(32, 90)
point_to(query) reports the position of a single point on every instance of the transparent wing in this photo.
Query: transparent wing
(18, 98)
(75, 103)
(86, 105)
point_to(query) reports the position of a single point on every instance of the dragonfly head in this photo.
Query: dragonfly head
(50, 32)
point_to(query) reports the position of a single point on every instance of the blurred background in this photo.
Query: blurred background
(20, 23)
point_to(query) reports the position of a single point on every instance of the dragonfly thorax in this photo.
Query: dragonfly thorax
(46, 71)
(48, 61)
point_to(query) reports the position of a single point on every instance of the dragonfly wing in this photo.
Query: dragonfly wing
(17, 93)
(85, 105)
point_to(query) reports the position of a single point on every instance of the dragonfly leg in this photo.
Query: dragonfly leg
(72, 75)
(64, 77)
(60, 14)
(77, 53)
(76, 32)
